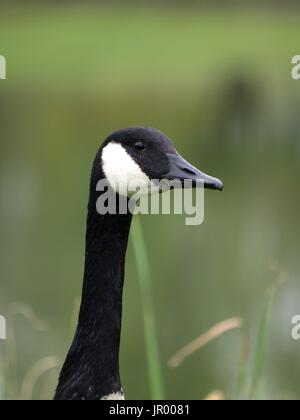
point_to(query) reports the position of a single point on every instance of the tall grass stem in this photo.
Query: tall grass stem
(151, 342)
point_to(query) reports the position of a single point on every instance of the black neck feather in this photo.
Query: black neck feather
(91, 369)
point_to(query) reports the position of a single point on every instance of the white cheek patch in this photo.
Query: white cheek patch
(121, 171)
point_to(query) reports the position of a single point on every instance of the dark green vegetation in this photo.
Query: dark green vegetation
(218, 83)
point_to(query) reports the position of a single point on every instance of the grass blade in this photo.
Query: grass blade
(34, 374)
(241, 392)
(204, 339)
(261, 345)
(152, 352)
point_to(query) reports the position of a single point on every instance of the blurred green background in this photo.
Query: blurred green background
(218, 81)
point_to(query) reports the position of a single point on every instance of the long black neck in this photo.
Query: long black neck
(91, 370)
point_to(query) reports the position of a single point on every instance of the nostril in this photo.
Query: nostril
(189, 171)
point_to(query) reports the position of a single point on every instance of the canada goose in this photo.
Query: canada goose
(91, 369)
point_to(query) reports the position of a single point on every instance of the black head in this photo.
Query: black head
(147, 154)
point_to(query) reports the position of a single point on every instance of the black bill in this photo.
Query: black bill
(182, 170)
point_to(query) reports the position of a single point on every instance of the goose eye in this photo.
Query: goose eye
(139, 145)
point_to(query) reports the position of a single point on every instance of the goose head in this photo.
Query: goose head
(140, 156)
